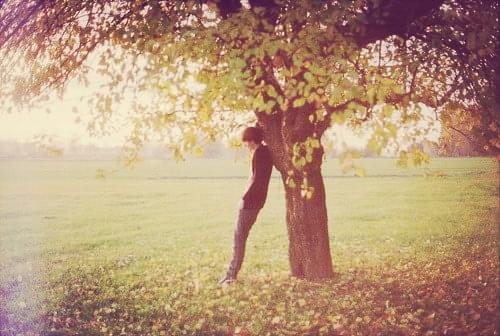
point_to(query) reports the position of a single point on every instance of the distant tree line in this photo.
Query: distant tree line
(455, 146)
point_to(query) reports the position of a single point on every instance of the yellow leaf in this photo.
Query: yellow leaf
(371, 95)
(360, 172)
(198, 151)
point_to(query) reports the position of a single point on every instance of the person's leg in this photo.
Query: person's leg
(246, 219)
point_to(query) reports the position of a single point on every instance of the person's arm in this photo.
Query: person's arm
(259, 176)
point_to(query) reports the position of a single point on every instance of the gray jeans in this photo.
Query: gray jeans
(246, 219)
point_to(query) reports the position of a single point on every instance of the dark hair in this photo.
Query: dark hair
(254, 134)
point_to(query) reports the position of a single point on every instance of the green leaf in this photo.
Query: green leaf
(271, 91)
(258, 102)
(299, 102)
(297, 61)
(308, 76)
(269, 106)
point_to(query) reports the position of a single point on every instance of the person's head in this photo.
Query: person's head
(252, 137)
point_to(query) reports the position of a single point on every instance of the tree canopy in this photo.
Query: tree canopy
(196, 70)
(214, 65)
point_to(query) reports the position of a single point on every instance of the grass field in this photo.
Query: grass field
(140, 252)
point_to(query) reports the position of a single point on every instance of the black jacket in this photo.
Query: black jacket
(262, 165)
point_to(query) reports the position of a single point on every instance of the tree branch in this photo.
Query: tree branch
(322, 126)
(21, 24)
(462, 133)
(390, 17)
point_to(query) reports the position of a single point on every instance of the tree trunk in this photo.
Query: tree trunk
(307, 223)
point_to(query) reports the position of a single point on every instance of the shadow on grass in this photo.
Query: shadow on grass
(454, 296)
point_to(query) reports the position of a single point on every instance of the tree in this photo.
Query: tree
(295, 67)
(457, 138)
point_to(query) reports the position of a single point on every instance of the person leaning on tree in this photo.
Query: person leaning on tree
(253, 199)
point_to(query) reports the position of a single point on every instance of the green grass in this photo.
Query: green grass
(140, 251)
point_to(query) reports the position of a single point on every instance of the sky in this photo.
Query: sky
(63, 120)
(62, 126)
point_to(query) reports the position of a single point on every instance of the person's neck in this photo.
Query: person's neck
(257, 145)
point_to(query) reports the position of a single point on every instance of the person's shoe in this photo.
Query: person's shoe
(228, 279)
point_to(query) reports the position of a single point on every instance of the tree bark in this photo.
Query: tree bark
(307, 223)
(306, 219)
